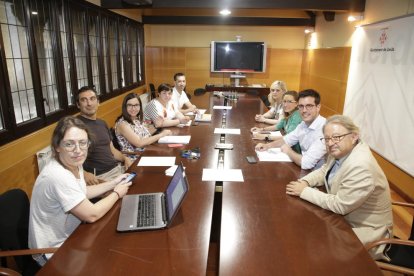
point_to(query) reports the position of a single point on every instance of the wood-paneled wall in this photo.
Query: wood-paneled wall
(18, 163)
(163, 62)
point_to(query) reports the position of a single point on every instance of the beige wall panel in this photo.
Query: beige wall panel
(197, 59)
(329, 63)
(167, 57)
(330, 94)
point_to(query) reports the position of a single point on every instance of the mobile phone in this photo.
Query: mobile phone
(129, 178)
(251, 159)
(224, 146)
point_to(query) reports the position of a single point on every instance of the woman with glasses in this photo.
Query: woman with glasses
(60, 197)
(291, 118)
(130, 131)
(275, 113)
(161, 110)
(356, 186)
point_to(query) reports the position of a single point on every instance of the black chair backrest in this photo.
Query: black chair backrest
(265, 100)
(252, 92)
(152, 89)
(114, 139)
(188, 95)
(14, 227)
(199, 92)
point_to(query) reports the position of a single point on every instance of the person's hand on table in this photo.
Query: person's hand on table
(260, 118)
(295, 188)
(262, 147)
(165, 132)
(259, 136)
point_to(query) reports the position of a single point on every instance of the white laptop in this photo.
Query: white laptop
(155, 210)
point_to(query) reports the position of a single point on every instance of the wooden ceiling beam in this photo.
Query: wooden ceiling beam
(214, 20)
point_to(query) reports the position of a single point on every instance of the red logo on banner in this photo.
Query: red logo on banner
(383, 37)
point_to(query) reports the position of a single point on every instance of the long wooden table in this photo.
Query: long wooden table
(262, 230)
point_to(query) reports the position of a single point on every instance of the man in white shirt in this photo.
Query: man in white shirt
(179, 96)
(307, 134)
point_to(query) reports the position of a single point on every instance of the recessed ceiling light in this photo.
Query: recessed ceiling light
(225, 12)
(353, 18)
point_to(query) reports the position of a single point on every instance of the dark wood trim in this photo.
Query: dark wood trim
(243, 21)
(400, 192)
(333, 5)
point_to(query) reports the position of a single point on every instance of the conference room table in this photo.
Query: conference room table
(262, 231)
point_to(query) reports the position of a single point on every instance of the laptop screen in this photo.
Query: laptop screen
(176, 191)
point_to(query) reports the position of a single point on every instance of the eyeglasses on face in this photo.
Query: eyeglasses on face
(70, 145)
(307, 107)
(288, 102)
(132, 105)
(334, 138)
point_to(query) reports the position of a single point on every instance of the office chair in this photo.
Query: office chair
(265, 100)
(188, 95)
(252, 92)
(14, 233)
(401, 252)
(114, 139)
(152, 89)
(199, 91)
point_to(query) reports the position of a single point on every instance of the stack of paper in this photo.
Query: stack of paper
(186, 124)
(227, 131)
(273, 155)
(271, 133)
(179, 139)
(234, 175)
(200, 111)
(203, 118)
(155, 161)
(222, 107)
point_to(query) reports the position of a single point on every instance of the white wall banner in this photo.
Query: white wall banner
(380, 92)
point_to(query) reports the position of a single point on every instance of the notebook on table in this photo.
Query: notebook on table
(154, 210)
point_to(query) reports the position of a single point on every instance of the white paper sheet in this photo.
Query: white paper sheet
(186, 124)
(200, 111)
(233, 175)
(203, 118)
(156, 161)
(175, 139)
(271, 133)
(222, 107)
(227, 131)
(273, 155)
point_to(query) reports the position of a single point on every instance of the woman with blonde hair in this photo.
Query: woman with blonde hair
(275, 113)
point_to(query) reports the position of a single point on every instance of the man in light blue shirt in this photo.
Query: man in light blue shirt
(307, 134)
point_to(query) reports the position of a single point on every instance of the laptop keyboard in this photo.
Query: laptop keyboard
(146, 210)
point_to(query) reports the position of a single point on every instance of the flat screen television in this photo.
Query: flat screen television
(238, 56)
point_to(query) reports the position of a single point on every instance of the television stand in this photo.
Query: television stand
(237, 78)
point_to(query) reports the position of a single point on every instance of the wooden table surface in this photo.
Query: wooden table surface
(262, 230)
